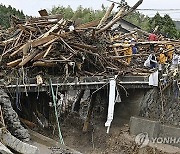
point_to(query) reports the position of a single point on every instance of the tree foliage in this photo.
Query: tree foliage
(88, 14)
(6, 12)
(139, 20)
(166, 25)
(85, 14)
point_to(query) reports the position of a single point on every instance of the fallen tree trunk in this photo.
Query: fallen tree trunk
(127, 56)
(112, 22)
(119, 15)
(108, 12)
(17, 145)
(11, 118)
(4, 149)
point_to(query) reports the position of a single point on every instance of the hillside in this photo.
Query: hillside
(5, 13)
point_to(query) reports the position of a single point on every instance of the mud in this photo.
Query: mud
(96, 141)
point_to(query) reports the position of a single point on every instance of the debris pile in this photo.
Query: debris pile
(52, 44)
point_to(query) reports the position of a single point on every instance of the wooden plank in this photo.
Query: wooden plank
(43, 40)
(14, 63)
(43, 23)
(18, 50)
(17, 40)
(23, 29)
(60, 22)
(44, 64)
(51, 143)
(153, 42)
(71, 49)
(28, 58)
(38, 56)
(86, 46)
(9, 50)
(48, 43)
(120, 45)
(30, 28)
(57, 16)
(89, 24)
(7, 41)
(84, 50)
(26, 48)
(76, 104)
(127, 56)
(48, 51)
(43, 12)
(115, 49)
(124, 36)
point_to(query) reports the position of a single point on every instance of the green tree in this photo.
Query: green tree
(166, 25)
(6, 12)
(139, 19)
(157, 20)
(169, 27)
(85, 14)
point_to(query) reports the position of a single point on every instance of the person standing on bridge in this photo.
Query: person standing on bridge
(170, 49)
(162, 59)
(128, 50)
(152, 37)
(153, 61)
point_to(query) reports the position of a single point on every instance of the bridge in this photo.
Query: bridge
(77, 83)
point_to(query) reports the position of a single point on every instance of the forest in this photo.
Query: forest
(6, 13)
(165, 23)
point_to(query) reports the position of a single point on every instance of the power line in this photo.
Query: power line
(158, 9)
(148, 9)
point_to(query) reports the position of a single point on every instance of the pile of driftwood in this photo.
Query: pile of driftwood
(52, 43)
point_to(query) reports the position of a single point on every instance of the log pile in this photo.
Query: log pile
(51, 44)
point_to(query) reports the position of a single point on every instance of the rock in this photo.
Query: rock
(11, 118)
(151, 107)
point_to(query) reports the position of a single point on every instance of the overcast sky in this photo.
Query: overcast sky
(31, 7)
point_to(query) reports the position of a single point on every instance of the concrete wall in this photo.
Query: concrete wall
(165, 110)
(157, 132)
(130, 106)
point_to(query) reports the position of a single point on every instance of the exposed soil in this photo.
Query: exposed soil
(97, 141)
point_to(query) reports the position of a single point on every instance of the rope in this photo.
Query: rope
(54, 101)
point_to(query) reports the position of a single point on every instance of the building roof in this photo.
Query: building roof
(129, 23)
(124, 25)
